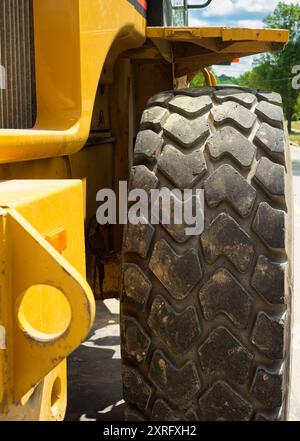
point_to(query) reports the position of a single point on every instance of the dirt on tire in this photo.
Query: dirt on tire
(205, 320)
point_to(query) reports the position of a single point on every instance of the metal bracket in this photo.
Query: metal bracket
(32, 261)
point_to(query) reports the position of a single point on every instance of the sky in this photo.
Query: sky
(235, 13)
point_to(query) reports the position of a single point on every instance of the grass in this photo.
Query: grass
(295, 138)
(296, 125)
(295, 135)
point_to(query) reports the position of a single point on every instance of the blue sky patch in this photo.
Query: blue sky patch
(234, 13)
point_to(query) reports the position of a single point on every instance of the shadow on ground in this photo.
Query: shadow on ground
(94, 371)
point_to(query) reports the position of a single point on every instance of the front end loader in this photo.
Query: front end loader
(97, 92)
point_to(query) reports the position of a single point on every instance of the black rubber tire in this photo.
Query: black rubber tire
(205, 321)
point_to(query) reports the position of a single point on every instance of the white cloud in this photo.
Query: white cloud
(252, 24)
(235, 69)
(223, 8)
(259, 5)
(226, 7)
(197, 23)
(256, 5)
(235, 13)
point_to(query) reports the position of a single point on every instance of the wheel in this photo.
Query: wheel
(205, 320)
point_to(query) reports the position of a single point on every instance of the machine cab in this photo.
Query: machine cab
(173, 12)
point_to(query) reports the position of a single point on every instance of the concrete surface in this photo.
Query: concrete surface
(95, 389)
(295, 384)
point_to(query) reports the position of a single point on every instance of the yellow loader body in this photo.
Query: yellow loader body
(96, 64)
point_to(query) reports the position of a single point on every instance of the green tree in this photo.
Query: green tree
(298, 107)
(274, 70)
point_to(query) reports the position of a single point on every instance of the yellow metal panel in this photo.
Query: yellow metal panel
(33, 340)
(48, 206)
(241, 34)
(225, 34)
(45, 402)
(5, 326)
(196, 48)
(52, 168)
(72, 41)
(53, 396)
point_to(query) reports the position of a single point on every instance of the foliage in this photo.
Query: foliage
(197, 81)
(273, 71)
(297, 108)
(295, 138)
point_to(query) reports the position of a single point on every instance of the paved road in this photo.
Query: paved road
(95, 391)
(295, 386)
(94, 371)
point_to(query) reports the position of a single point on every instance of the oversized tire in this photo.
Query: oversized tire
(205, 321)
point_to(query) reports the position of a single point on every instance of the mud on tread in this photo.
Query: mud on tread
(206, 320)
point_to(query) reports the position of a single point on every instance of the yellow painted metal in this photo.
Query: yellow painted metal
(50, 168)
(209, 77)
(77, 41)
(225, 34)
(213, 78)
(196, 48)
(206, 75)
(47, 401)
(72, 42)
(46, 306)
